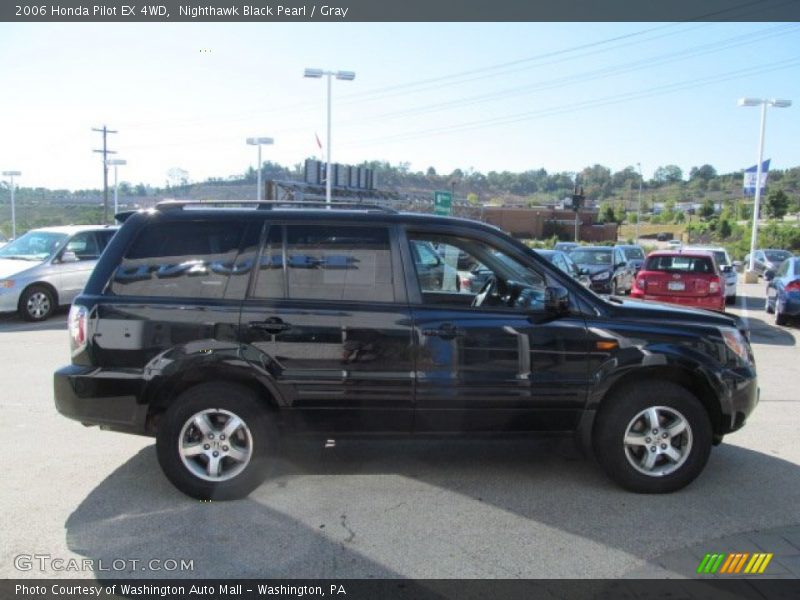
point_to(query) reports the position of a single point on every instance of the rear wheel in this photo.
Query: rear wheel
(216, 442)
(36, 303)
(730, 300)
(652, 437)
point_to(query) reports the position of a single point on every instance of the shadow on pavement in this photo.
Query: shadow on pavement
(11, 322)
(762, 332)
(135, 512)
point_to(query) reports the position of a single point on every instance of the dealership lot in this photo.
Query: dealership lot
(388, 509)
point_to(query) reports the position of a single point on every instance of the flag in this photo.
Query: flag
(318, 142)
(750, 178)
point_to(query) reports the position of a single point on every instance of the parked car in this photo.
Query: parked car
(607, 268)
(48, 267)
(726, 267)
(783, 290)
(566, 264)
(767, 260)
(219, 331)
(565, 246)
(674, 244)
(685, 278)
(634, 255)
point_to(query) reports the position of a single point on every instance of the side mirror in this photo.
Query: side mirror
(769, 275)
(727, 268)
(622, 263)
(556, 299)
(68, 256)
(583, 271)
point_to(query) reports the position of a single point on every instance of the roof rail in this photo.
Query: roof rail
(166, 205)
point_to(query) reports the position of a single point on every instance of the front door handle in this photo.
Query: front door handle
(271, 325)
(446, 331)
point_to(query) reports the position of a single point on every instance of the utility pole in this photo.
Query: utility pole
(105, 152)
(577, 204)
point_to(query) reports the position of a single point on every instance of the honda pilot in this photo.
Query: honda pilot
(221, 330)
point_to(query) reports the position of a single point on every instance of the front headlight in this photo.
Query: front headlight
(601, 276)
(6, 283)
(735, 341)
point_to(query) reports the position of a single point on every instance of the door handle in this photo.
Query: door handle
(271, 325)
(446, 331)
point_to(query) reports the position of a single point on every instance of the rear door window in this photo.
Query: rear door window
(189, 259)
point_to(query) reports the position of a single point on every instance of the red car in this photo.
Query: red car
(690, 278)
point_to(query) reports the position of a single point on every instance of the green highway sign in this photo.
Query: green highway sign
(442, 201)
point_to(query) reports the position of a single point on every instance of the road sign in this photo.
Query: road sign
(442, 201)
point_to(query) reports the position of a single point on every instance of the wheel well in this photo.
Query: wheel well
(161, 398)
(692, 382)
(43, 284)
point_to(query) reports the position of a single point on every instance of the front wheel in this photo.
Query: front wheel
(216, 441)
(780, 318)
(652, 437)
(37, 303)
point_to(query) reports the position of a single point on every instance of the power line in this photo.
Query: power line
(105, 152)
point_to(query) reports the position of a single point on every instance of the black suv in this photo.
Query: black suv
(218, 330)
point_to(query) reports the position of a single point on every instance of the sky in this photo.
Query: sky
(483, 96)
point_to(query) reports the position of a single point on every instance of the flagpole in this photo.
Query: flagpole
(757, 201)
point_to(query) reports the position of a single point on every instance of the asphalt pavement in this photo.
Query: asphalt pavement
(419, 509)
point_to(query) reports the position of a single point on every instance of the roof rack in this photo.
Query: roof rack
(166, 205)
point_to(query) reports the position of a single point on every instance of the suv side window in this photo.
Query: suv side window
(191, 259)
(103, 237)
(327, 262)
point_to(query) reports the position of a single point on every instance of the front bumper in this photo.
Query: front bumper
(601, 287)
(96, 396)
(740, 398)
(9, 299)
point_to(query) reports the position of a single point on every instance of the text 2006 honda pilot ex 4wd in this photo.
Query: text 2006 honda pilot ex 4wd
(217, 330)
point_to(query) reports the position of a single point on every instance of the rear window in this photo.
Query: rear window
(687, 264)
(633, 253)
(777, 255)
(192, 259)
(591, 257)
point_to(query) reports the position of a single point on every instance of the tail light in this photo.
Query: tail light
(76, 324)
(793, 286)
(641, 283)
(713, 286)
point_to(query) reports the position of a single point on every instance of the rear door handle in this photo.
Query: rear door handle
(446, 331)
(271, 325)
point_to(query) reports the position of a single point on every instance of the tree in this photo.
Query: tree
(706, 173)
(668, 174)
(472, 199)
(431, 172)
(707, 209)
(777, 204)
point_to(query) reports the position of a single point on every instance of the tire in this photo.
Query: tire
(242, 464)
(36, 303)
(627, 414)
(780, 318)
(730, 300)
(614, 288)
(770, 309)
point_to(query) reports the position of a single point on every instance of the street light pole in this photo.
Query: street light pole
(639, 207)
(751, 276)
(259, 141)
(342, 75)
(13, 174)
(116, 162)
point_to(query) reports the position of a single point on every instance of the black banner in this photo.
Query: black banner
(390, 589)
(397, 10)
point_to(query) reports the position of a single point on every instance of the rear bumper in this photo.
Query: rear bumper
(790, 306)
(99, 397)
(708, 302)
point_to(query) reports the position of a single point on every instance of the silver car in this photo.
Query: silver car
(48, 267)
(726, 266)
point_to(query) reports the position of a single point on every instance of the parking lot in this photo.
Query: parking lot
(424, 509)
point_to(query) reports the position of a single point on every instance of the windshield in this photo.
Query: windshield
(634, 253)
(777, 255)
(34, 245)
(591, 257)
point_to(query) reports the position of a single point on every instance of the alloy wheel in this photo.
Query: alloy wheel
(658, 441)
(215, 445)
